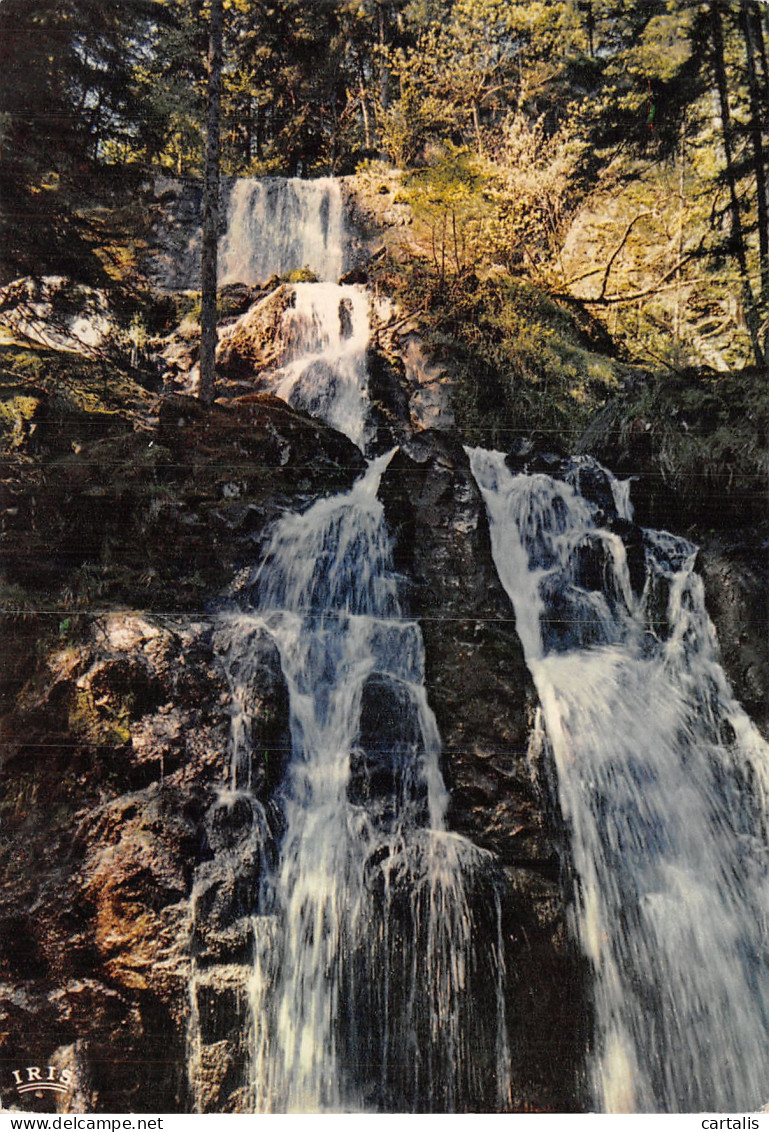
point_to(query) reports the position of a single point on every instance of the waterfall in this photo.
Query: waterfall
(361, 942)
(376, 979)
(327, 331)
(661, 779)
(279, 225)
(370, 988)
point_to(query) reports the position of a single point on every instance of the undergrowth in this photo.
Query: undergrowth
(519, 362)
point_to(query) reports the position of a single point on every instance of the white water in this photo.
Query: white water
(282, 225)
(377, 980)
(327, 332)
(368, 987)
(662, 782)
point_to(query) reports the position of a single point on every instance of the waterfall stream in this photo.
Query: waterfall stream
(380, 999)
(662, 781)
(377, 972)
(280, 225)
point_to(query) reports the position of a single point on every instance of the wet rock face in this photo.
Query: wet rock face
(478, 683)
(480, 690)
(389, 400)
(736, 577)
(382, 763)
(113, 762)
(163, 517)
(255, 341)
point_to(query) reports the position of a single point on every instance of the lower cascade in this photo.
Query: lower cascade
(377, 979)
(661, 779)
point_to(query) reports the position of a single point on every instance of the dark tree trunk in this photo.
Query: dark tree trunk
(384, 73)
(737, 231)
(590, 27)
(759, 16)
(757, 111)
(208, 260)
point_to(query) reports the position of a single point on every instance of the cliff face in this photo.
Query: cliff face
(124, 875)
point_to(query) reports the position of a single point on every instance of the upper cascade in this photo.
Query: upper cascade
(280, 225)
(325, 372)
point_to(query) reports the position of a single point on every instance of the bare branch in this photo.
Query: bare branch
(653, 289)
(617, 250)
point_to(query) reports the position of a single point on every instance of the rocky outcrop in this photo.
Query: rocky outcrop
(113, 760)
(376, 212)
(255, 342)
(172, 252)
(57, 313)
(163, 516)
(422, 384)
(480, 689)
(736, 577)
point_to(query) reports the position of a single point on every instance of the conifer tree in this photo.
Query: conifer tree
(68, 107)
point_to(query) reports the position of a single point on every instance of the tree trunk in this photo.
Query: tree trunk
(208, 259)
(367, 138)
(759, 156)
(590, 27)
(680, 240)
(384, 73)
(758, 26)
(738, 235)
(477, 128)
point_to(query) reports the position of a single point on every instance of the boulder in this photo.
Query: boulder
(255, 341)
(480, 689)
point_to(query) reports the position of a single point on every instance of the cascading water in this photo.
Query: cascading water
(377, 972)
(281, 225)
(662, 781)
(381, 998)
(327, 331)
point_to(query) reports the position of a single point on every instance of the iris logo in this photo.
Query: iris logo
(37, 1078)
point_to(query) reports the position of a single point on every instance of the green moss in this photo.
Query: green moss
(85, 384)
(300, 275)
(105, 724)
(519, 360)
(15, 415)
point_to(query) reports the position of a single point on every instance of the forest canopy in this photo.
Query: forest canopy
(610, 152)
